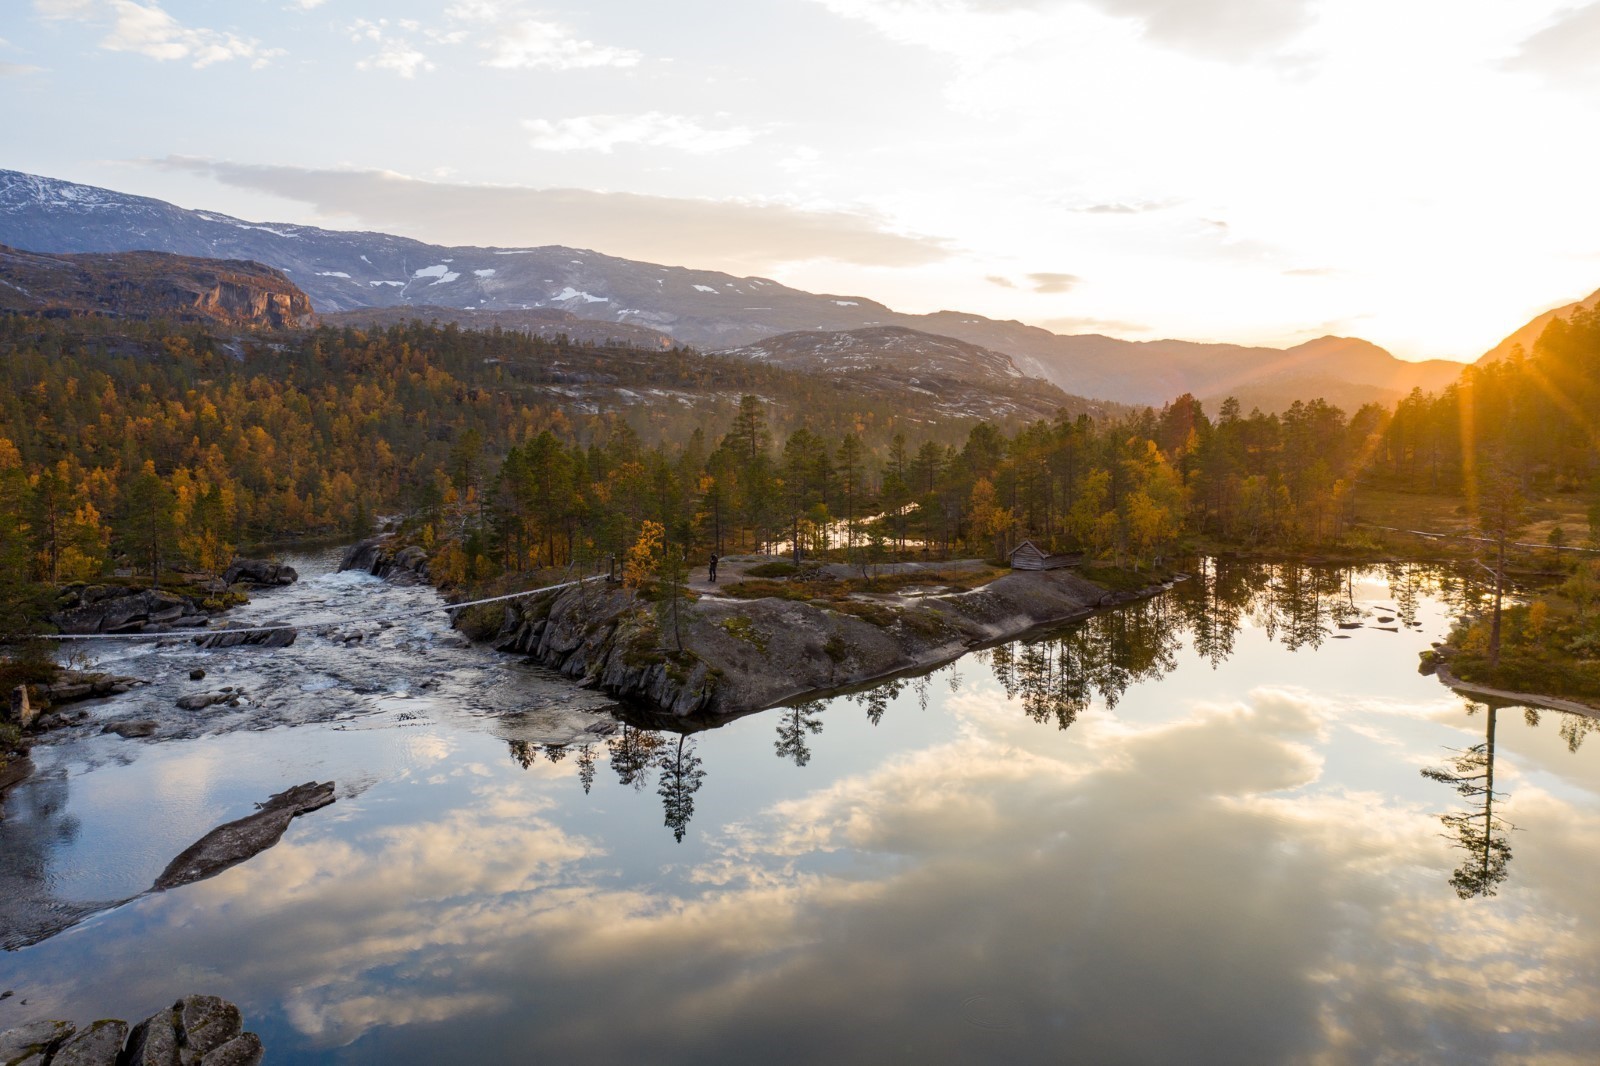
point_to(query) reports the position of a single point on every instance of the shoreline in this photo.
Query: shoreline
(1521, 699)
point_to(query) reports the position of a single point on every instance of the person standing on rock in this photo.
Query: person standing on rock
(713, 568)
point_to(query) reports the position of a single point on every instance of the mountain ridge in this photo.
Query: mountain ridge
(344, 270)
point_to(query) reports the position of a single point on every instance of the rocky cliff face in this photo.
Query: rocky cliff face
(142, 285)
(745, 655)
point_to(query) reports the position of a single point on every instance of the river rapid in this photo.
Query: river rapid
(1194, 829)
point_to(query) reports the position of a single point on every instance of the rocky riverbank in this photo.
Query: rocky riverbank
(726, 655)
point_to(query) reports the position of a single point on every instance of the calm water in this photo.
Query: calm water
(1194, 830)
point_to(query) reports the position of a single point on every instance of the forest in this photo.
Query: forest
(135, 448)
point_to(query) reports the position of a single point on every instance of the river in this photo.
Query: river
(1195, 829)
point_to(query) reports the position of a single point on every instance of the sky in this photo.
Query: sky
(1419, 173)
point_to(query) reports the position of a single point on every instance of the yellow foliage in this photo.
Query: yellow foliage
(639, 566)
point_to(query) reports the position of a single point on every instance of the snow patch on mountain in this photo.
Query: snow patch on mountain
(569, 293)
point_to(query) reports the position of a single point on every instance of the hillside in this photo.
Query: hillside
(345, 270)
(956, 378)
(1528, 334)
(535, 322)
(146, 285)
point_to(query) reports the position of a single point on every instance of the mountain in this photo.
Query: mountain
(343, 270)
(1528, 334)
(228, 293)
(957, 378)
(536, 322)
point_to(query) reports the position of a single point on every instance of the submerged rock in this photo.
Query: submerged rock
(233, 842)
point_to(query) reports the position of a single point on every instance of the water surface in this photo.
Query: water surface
(1193, 830)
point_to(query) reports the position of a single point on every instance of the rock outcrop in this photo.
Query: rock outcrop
(744, 655)
(70, 686)
(144, 285)
(234, 842)
(377, 556)
(120, 609)
(194, 1031)
(260, 572)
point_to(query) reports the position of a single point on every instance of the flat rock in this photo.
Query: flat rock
(232, 843)
(98, 1045)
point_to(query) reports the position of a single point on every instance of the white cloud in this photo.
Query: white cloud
(395, 54)
(530, 43)
(65, 9)
(1565, 50)
(307, 5)
(653, 129)
(147, 29)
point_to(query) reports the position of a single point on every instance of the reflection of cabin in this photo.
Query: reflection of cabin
(1028, 556)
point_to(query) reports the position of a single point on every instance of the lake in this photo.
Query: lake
(1195, 829)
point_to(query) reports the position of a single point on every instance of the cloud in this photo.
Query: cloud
(530, 43)
(1221, 29)
(147, 29)
(1094, 325)
(1312, 272)
(307, 5)
(16, 70)
(736, 236)
(1004, 283)
(653, 129)
(66, 9)
(1564, 51)
(1051, 283)
(1138, 207)
(395, 54)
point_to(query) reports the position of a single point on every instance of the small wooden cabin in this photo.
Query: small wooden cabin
(1029, 556)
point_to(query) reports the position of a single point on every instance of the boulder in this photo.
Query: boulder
(408, 566)
(32, 1044)
(154, 1041)
(199, 701)
(141, 727)
(118, 609)
(233, 842)
(260, 572)
(207, 1023)
(235, 634)
(195, 1031)
(98, 1045)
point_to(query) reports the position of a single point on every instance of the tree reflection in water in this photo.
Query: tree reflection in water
(1056, 678)
(1478, 831)
(681, 778)
(793, 725)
